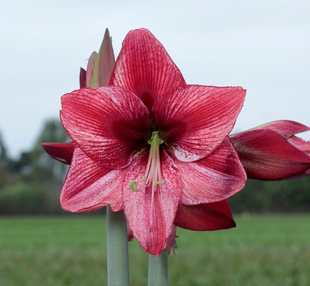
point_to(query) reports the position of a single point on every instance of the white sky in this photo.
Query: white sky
(262, 45)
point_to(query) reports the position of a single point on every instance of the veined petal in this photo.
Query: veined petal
(286, 128)
(194, 119)
(145, 68)
(62, 152)
(89, 187)
(212, 216)
(152, 230)
(213, 178)
(109, 124)
(267, 155)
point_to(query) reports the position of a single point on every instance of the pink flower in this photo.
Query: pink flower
(273, 152)
(153, 146)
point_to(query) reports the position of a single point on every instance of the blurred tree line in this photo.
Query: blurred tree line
(31, 183)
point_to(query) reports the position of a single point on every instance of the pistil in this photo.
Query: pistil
(153, 171)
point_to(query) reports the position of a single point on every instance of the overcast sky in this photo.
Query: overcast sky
(263, 46)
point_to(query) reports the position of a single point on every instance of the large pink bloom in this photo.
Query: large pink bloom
(151, 145)
(273, 152)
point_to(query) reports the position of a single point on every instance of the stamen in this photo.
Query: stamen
(152, 173)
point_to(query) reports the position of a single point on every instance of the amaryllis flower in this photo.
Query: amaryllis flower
(273, 152)
(153, 146)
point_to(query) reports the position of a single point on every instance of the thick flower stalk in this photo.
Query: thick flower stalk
(273, 152)
(151, 145)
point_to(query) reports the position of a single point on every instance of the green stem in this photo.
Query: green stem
(117, 249)
(158, 269)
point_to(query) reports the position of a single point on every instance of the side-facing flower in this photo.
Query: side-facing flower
(153, 146)
(273, 152)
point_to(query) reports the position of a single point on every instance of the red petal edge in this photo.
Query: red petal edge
(204, 217)
(82, 78)
(62, 152)
(286, 128)
(300, 144)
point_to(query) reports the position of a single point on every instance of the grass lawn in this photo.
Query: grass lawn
(55, 251)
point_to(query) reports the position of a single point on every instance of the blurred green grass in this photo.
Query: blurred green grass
(262, 250)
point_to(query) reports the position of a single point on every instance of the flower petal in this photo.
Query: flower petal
(172, 243)
(286, 128)
(151, 226)
(267, 155)
(129, 233)
(62, 152)
(89, 187)
(106, 59)
(82, 78)
(90, 70)
(213, 178)
(300, 144)
(144, 67)
(194, 119)
(109, 124)
(212, 216)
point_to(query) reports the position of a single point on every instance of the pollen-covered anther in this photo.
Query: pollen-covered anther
(133, 185)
